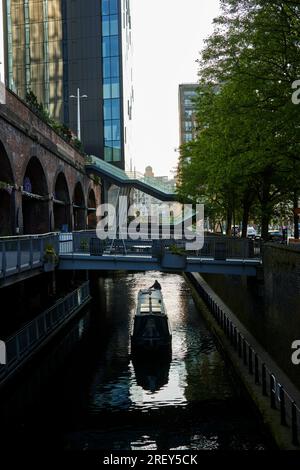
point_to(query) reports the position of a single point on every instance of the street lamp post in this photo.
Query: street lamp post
(78, 97)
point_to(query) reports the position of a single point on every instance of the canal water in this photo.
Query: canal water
(86, 393)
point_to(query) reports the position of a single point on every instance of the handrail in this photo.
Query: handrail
(25, 237)
(24, 253)
(262, 374)
(30, 337)
(219, 248)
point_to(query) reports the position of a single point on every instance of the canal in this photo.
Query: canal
(85, 393)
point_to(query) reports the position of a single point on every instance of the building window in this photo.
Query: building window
(111, 80)
(188, 137)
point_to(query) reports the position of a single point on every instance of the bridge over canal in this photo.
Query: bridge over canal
(24, 256)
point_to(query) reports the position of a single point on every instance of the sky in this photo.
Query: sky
(167, 38)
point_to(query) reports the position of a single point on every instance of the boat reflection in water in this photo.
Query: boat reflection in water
(152, 375)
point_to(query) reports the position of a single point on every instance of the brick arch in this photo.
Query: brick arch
(61, 202)
(35, 198)
(79, 206)
(7, 193)
(6, 168)
(92, 207)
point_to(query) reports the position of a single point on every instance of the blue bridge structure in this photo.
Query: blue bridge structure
(24, 256)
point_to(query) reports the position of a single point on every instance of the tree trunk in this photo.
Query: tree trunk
(245, 220)
(229, 222)
(265, 220)
(265, 205)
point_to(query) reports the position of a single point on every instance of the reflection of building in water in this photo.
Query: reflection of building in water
(113, 392)
(36, 384)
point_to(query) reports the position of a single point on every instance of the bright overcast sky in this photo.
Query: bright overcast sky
(167, 38)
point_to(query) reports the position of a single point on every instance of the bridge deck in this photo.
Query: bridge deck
(144, 262)
(22, 257)
(148, 185)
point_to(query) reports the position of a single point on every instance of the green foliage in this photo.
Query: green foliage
(245, 159)
(61, 129)
(50, 255)
(78, 144)
(176, 250)
(84, 245)
(97, 180)
(37, 107)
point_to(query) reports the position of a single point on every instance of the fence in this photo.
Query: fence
(263, 377)
(216, 247)
(24, 253)
(23, 343)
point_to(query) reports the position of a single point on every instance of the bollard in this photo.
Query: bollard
(240, 345)
(273, 391)
(235, 338)
(250, 361)
(256, 369)
(282, 405)
(232, 334)
(245, 351)
(264, 380)
(228, 329)
(294, 425)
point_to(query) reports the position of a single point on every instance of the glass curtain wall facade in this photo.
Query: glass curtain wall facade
(112, 81)
(187, 93)
(54, 47)
(35, 51)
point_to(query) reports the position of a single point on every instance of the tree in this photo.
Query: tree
(247, 147)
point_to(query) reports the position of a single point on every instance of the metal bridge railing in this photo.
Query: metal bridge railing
(24, 253)
(263, 376)
(31, 336)
(215, 247)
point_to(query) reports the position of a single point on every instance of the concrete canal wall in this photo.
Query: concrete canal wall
(274, 395)
(268, 306)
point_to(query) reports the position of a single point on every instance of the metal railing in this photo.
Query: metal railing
(215, 247)
(130, 178)
(23, 343)
(263, 376)
(24, 253)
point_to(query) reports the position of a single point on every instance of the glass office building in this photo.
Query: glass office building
(54, 47)
(187, 94)
(112, 65)
(117, 80)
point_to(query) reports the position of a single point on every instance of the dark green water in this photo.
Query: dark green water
(86, 393)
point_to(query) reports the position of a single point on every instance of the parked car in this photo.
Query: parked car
(251, 232)
(275, 236)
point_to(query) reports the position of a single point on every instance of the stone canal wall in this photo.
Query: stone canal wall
(273, 393)
(268, 306)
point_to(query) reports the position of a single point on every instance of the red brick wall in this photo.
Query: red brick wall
(24, 136)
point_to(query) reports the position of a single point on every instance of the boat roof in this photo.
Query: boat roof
(150, 302)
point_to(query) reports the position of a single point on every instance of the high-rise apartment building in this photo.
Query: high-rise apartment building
(54, 47)
(187, 94)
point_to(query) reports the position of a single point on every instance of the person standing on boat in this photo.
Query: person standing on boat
(156, 286)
